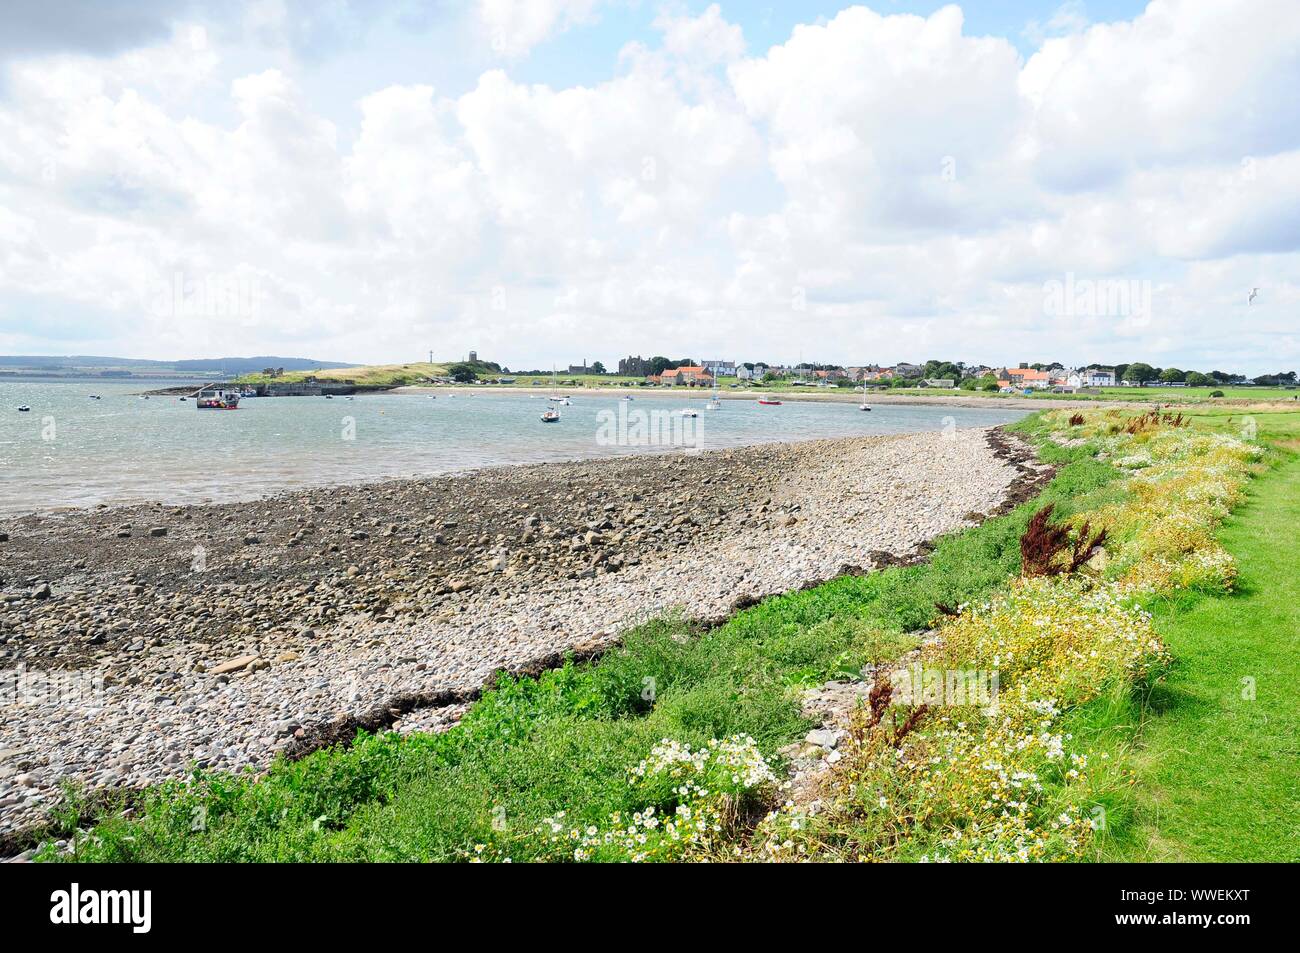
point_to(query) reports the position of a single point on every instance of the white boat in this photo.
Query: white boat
(864, 405)
(715, 402)
(217, 398)
(24, 409)
(552, 416)
(690, 413)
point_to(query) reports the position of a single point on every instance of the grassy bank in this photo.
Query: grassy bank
(1217, 771)
(374, 375)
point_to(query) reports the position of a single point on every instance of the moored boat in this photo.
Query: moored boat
(769, 402)
(217, 398)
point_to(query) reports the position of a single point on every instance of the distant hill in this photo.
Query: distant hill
(224, 365)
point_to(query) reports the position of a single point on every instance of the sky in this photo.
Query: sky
(557, 181)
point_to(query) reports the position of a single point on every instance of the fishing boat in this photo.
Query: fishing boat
(217, 398)
(770, 402)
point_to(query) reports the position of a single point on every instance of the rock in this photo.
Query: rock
(822, 737)
(4, 537)
(42, 591)
(251, 540)
(234, 665)
(158, 531)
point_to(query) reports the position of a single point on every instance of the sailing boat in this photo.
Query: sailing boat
(552, 416)
(715, 402)
(863, 405)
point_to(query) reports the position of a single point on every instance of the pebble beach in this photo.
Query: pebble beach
(220, 636)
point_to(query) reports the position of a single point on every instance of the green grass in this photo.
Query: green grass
(1217, 773)
(566, 740)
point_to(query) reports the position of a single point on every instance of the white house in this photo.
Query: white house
(1091, 377)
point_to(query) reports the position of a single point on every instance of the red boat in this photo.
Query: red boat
(769, 402)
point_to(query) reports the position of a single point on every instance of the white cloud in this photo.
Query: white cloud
(705, 39)
(1069, 17)
(513, 27)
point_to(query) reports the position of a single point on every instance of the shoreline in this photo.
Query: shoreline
(958, 398)
(823, 395)
(348, 598)
(234, 494)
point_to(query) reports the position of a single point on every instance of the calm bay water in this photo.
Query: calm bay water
(74, 451)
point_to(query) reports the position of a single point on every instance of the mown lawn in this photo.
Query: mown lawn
(1217, 772)
(566, 741)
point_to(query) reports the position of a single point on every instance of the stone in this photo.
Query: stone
(234, 665)
(157, 531)
(822, 737)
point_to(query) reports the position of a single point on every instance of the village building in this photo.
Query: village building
(686, 376)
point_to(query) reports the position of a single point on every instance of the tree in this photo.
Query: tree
(597, 367)
(989, 382)
(1197, 379)
(941, 370)
(1140, 373)
(462, 373)
(1121, 372)
(1172, 375)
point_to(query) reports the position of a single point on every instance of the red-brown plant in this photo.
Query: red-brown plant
(1048, 550)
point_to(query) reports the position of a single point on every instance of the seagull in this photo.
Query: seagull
(1251, 299)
